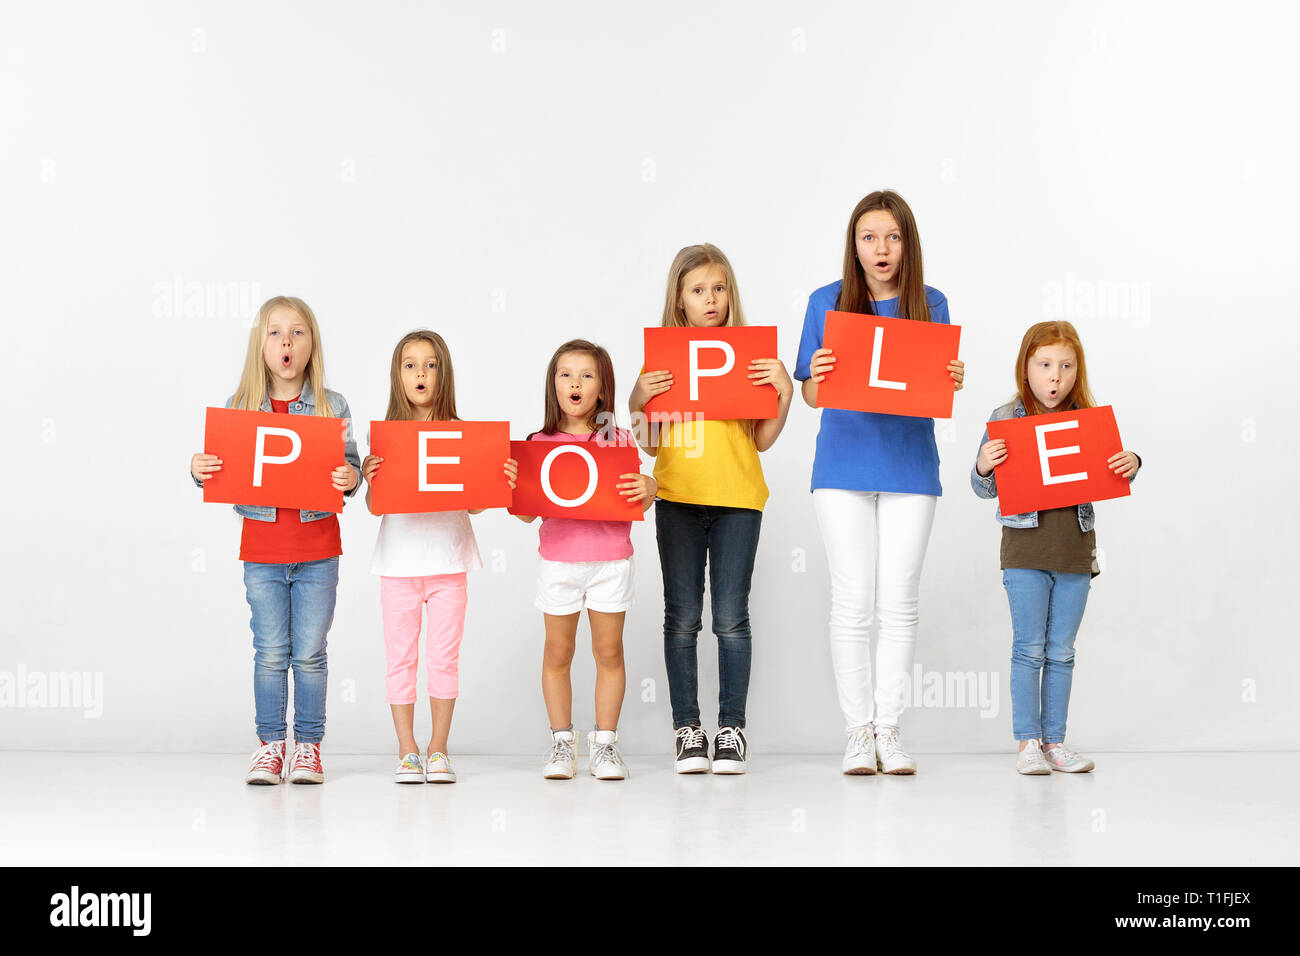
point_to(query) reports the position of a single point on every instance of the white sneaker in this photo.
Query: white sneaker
(860, 752)
(439, 769)
(410, 770)
(1031, 760)
(605, 762)
(1065, 760)
(562, 761)
(890, 755)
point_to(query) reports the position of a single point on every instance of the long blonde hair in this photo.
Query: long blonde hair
(444, 396)
(687, 260)
(255, 382)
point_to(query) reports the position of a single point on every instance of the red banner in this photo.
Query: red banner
(578, 479)
(888, 365)
(439, 466)
(274, 460)
(711, 371)
(1057, 460)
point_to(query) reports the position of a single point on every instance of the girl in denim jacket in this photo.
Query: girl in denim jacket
(1048, 557)
(291, 558)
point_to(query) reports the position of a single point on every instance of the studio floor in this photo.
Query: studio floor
(72, 809)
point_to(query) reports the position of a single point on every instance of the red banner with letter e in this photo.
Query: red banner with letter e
(1057, 460)
(888, 365)
(439, 466)
(711, 371)
(274, 460)
(576, 479)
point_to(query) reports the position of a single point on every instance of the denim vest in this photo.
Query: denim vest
(988, 487)
(306, 405)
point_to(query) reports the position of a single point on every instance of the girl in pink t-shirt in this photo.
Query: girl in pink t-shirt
(585, 563)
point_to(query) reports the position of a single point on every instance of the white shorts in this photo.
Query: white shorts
(564, 587)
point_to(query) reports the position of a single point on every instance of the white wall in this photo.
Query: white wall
(523, 175)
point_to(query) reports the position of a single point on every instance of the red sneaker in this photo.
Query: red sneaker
(268, 763)
(305, 767)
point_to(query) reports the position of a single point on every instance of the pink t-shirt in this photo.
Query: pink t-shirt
(580, 539)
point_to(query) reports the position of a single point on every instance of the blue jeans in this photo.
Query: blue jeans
(1046, 608)
(293, 607)
(726, 539)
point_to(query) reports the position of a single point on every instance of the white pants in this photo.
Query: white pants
(875, 545)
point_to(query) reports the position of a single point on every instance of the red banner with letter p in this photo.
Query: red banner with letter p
(274, 460)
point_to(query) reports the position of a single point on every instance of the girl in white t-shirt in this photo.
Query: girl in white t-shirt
(422, 560)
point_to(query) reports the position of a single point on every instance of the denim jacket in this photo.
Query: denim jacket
(988, 487)
(306, 405)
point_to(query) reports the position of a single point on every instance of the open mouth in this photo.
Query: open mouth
(286, 360)
(420, 388)
(575, 399)
(882, 266)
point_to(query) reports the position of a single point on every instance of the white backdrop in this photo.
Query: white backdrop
(523, 174)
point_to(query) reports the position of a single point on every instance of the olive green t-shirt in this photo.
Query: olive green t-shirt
(1057, 544)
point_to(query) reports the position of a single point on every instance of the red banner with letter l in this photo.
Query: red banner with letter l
(439, 466)
(1058, 459)
(888, 365)
(711, 371)
(576, 479)
(274, 460)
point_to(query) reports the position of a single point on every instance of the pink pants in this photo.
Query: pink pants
(444, 597)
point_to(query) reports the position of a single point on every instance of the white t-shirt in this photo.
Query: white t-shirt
(417, 545)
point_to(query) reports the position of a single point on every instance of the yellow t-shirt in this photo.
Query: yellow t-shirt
(710, 463)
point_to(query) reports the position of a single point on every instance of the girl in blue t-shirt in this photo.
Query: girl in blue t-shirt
(875, 484)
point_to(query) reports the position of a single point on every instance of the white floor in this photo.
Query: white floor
(131, 809)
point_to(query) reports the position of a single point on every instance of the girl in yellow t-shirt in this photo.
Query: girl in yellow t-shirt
(709, 509)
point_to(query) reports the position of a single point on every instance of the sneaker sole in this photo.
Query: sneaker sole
(307, 777)
(444, 777)
(1087, 769)
(408, 778)
(728, 766)
(1031, 772)
(860, 772)
(902, 772)
(263, 778)
(559, 775)
(692, 765)
(609, 777)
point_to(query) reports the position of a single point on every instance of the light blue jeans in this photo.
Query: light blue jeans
(1046, 608)
(293, 607)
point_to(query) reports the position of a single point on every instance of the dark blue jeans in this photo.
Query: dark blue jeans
(726, 539)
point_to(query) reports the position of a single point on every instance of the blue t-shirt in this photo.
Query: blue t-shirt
(868, 451)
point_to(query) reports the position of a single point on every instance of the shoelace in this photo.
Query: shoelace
(858, 741)
(729, 739)
(308, 755)
(1063, 755)
(266, 756)
(561, 751)
(691, 737)
(606, 753)
(887, 743)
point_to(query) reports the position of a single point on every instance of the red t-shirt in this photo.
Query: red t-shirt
(288, 539)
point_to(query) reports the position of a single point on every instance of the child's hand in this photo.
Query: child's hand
(957, 369)
(639, 488)
(647, 387)
(1124, 464)
(203, 467)
(770, 371)
(370, 466)
(992, 454)
(345, 477)
(512, 472)
(822, 364)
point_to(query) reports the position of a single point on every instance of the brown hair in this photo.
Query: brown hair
(444, 393)
(603, 415)
(1052, 333)
(686, 260)
(854, 295)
